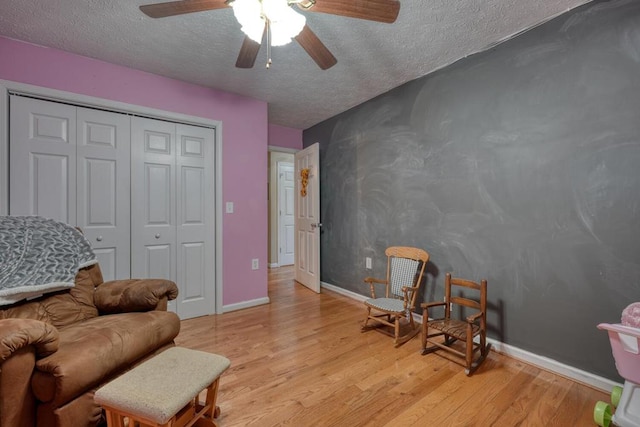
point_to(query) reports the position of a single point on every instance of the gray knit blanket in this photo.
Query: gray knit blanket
(39, 255)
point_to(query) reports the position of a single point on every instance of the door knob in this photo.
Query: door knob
(99, 238)
(319, 224)
(158, 236)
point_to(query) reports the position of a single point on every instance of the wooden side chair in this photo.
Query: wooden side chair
(465, 330)
(405, 269)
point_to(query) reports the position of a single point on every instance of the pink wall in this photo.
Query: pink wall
(280, 136)
(244, 137)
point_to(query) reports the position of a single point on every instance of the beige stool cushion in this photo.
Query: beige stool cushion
(160, 387)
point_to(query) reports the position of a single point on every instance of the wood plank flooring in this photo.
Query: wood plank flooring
(302, 361)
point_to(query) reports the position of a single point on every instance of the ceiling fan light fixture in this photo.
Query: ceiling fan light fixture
(284, 22)
(248, 13)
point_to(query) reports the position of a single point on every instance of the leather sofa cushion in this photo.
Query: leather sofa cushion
(92, 351)
(62, 308)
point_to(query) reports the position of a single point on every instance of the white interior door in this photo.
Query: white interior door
(103, 196)
(42, 159)
(153, 199)
(195, 221)
(286, 213)
(307, 218)
(173, 215)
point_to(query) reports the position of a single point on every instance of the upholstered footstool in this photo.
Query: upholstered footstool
(163, 391)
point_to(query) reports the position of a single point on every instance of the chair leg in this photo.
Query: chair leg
(483, 344)
(397, 331)
(469, 353)
(366, 320)
(424, 335)
(448, 340)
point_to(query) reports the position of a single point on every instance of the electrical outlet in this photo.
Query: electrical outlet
(255, 264)
(367, 263)
(229, 207)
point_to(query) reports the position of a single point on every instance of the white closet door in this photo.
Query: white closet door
(196, 218)
(103, 188)
(42, 159)
(153, 199)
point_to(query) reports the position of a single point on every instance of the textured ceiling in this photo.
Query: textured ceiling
(202, 48)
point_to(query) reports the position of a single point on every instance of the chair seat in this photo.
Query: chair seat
(453, 327)
(386, 304)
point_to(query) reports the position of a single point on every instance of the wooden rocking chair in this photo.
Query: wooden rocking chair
(405, 268)
(475, 324)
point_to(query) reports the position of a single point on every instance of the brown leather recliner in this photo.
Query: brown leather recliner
(55, 351)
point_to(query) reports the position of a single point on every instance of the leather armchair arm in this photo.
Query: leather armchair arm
(22, 342)
(121, 296)
(16, 334)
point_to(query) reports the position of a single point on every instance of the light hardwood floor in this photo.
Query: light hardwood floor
(302, 361)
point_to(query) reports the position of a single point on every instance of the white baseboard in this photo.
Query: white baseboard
(274, 265)
(245, 304)
(543, 362)
(554, 366)
(342, 291)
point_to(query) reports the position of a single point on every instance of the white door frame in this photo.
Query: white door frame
(94, 102)
(276, 154)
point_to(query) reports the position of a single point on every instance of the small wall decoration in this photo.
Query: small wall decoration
(304, 175)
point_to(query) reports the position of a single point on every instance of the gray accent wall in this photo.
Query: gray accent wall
(521, 165)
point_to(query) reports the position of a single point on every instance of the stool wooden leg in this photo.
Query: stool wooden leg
(212, 411)
(212, 396)
(114, 419)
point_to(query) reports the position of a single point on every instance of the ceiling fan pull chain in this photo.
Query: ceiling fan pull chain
(268, 43)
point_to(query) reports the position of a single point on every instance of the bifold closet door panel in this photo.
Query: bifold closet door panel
(153, 198)
(103, 175)
(195, 220)
(172, 210)
(72, 164)
(42, 159)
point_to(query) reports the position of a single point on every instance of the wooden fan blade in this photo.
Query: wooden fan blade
(372, 10)
(315, 48)
(172, 8)
(248, 52)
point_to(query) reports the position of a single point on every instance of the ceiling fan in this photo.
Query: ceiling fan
(278, 20)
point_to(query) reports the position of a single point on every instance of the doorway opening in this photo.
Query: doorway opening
(281, 205)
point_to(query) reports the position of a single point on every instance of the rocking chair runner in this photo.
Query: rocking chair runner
(405, 269)
(453, 329)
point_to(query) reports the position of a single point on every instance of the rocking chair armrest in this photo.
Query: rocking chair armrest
(374, 280)
(371, 281)
(406, 290)
(427, 305)
(432, 304)
(472, 318)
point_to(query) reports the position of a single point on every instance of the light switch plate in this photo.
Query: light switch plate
(229, 207)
